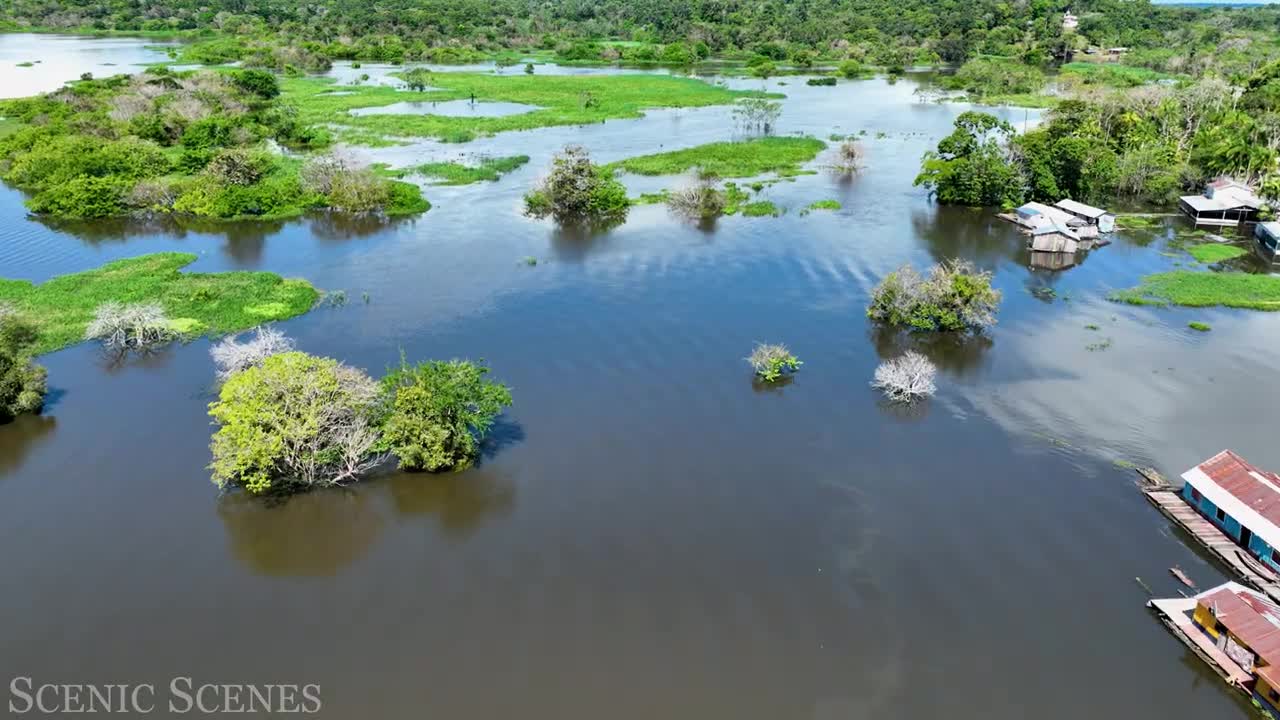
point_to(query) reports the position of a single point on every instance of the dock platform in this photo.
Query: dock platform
(1208, 536)
(1176, 615)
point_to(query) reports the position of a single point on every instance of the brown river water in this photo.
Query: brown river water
(650, 534)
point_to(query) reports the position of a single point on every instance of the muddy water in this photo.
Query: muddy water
(651, 534)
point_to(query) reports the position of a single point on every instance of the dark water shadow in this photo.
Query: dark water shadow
(504, 434)
(767, 387)
(912, 412)
(313, 534)
(959, 354)
(574, 243)
(459, 502)
(974, 234)
(115, 360)
(20, 436)
(340, 227)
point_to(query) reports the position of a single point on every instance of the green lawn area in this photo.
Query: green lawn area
(488, 169)
(1113, 74)
(563, 99)
(199, 303)
(1215, 252)
(783, 155)
(1205, 289)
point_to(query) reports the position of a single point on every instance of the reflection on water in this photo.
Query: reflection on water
(20, 436)
(311, 535)
(57, 59)
(459, 503)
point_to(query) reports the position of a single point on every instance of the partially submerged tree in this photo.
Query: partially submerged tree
(772, 361)
(756, 115)
(956, 296)
(436, 413)
(848, 159)
(130, 327)
(417, 79)
(22, 382)
(701, 200)
(231, 356)
(577, 191)
(294, 422)
(907, 378)
(972, 166)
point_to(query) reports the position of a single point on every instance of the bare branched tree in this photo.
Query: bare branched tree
(757, 115)
(907, 378)
(700, 200)
(848, 159)
(129, 327)
(231, 356)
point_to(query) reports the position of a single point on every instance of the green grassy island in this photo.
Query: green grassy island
(198, 303)
(202, 143)
(1205, 289)
(748, 158)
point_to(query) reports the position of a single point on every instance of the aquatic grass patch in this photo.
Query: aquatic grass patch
(1199, 326)
(1205, 289)
(1215, 252)
(824, 205)
(1112, 74)
(200, 303)
(760, 208)
(729, 159)
(487, 170)
(563, 99)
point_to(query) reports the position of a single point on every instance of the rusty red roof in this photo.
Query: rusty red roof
(1255, 621)
(1257, 489)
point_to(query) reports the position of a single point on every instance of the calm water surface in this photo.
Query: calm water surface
(650, 533)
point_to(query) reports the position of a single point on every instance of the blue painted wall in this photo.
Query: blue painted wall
(1230, 526)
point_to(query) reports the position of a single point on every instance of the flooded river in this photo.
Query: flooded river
(650, 533)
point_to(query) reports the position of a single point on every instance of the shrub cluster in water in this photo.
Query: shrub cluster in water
(196, 143)
(955, 296)
(290, 421)
(577, 191)
(22, 382)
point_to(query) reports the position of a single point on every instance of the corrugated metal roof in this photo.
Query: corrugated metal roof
(1259, 490)
(1255, 621)
(1080, 208)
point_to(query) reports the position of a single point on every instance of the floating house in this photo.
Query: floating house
(1097, 217)
(1236, 630)
(1241, 500)
(1268, 236)
(1054, 238)
(1225, 202)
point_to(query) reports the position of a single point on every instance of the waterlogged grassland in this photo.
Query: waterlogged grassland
(783, 155)
(198, 303)
(1205, 289)
(487, 170)
(564, 99)
(1215, 252)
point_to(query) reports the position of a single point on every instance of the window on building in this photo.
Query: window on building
(1222, 515)
(1195, 494)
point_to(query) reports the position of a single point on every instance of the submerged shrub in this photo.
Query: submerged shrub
(578, 191)
(699, 201)
(772, 361)
(436, 413)
(230, 355)
(129, 327)
(848, 160)
(22, 382)
(756, 115)
(82, 198)
(956, 296)
(293, 422)
(907, 378)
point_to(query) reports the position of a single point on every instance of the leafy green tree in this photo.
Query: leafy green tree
(436, 413)
(293, 422)
(258, 82)
(22, 382)
(971, 165)
(577, 191)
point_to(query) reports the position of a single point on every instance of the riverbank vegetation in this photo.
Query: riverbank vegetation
(1205, 289)
(198, 143)
(557, 99)
(578, 192)
(954, 297)
(61, 309)
(746, 158)
(1215, 252)
(289, 421)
